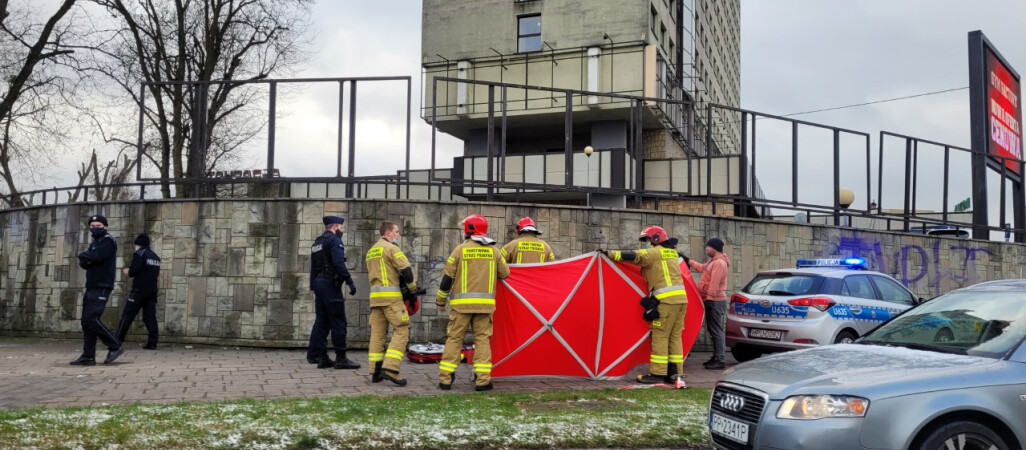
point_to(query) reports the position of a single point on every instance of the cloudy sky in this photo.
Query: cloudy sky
(797, 55)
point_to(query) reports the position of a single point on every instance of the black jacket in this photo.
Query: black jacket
(144, 271)
(100, 261)
(328, 259)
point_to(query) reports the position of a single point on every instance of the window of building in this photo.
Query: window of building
(673, 9)
(529, 33)
(662, 33)
(653, 19)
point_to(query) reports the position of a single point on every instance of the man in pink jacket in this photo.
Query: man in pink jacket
(713, 289)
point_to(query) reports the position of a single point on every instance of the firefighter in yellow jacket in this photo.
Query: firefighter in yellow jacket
(471, 273)
(388, 270)
(527, 248)
(661, 269)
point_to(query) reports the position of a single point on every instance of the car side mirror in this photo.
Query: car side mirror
(921, 300)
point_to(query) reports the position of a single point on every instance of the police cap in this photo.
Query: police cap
(329, 220)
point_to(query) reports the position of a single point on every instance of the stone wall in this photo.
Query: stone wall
(236, 272)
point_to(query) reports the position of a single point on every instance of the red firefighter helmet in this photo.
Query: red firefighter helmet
(475, 225)
(653, 233)
(527, 224)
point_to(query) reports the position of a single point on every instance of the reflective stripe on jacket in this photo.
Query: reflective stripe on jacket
(661, 268)
(384, 263)
(475, 268)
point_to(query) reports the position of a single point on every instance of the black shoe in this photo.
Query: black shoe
(376, 375)
(83, 361)
(345, 363)
(325, 363)
(716, 365)
(312, 360)
(651, 379)
(711, 360)
(394, 377)
(113, 354)
(149, 347)
(485, 387)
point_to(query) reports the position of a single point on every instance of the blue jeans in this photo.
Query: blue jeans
(715, 324)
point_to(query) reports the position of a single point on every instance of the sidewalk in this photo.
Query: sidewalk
(35, 372)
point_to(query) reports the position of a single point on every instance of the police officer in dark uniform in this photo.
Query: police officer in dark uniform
(99, 262)
(145, 270)
(328, 273)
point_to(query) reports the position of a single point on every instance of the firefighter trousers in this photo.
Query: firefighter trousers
(666, 344)
(380, 318)
(482, 326)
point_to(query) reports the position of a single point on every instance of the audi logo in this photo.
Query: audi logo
(731, 402)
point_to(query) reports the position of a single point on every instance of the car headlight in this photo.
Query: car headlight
(812, 407)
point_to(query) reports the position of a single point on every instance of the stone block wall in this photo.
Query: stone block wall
(237, 272)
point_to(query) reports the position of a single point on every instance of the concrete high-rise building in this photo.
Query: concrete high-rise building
(718, 64)
(640, 48)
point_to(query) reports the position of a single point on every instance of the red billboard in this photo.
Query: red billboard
(1004, 112)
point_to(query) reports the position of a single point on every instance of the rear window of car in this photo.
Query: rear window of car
(785, 284)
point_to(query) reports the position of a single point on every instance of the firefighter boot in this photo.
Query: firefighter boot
(341, 362)
(394, 377)
(651, 379)
(376, 376)
(446, 387)
(671, 373)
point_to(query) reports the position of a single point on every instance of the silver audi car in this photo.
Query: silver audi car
(897, 387)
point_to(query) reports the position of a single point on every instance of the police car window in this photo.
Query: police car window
(858, 286)
(784, 284)
(891, 291)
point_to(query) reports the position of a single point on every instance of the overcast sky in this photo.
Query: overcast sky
(796, 55)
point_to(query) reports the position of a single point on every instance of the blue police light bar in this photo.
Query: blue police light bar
(854, 263)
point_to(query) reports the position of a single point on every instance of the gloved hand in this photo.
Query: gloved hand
(602, 251)
(686, 259)
(352, 286)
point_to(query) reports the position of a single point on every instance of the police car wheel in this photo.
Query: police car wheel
(845, 337)
(742, 352)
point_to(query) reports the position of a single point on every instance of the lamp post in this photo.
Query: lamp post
(845, 197)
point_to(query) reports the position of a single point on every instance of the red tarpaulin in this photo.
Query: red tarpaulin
(577, 317)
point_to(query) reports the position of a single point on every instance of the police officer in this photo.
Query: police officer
(99, 262)
(327, 274)
(390, 273)
(661, 269)
(145, 270)
(468, 285)
(527, 248)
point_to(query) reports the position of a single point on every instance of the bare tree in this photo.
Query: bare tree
(33, 92)
(166, 43)
(107, 179)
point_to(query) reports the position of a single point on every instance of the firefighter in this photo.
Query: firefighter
(527, 248)
(471, 273)
(669, 299)
(328, 273)
(389, 272)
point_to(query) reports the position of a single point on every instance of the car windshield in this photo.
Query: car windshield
(978, 323)
(784, 284)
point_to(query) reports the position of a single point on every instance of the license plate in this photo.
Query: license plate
(730, 429)
(758, 333)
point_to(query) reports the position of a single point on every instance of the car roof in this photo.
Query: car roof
(998, 285)
(829, 272)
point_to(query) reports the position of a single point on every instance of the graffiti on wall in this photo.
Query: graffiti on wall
(911, 264)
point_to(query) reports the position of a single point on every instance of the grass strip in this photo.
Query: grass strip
(603, 418)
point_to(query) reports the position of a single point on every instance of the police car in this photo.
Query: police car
(822, 301)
